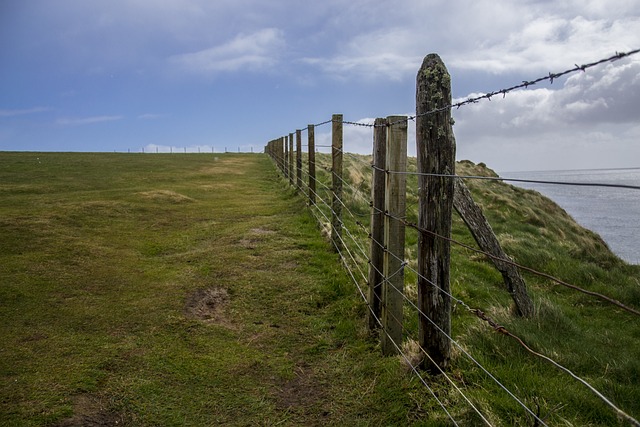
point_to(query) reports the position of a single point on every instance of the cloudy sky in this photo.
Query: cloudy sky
(119, 75)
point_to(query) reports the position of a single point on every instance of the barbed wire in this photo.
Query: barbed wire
(550, 77)
(525, 84)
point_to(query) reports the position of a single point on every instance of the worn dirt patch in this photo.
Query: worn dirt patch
(301, 395)
(91, 411)
(207, 304)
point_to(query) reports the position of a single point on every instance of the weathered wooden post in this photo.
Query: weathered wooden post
(436, 155)
(291, 158)
(299, 159)
(336, 174)
(312, 163)
(394, 233)
(285, 164)
(376, 248)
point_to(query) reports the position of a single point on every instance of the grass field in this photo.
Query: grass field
(174, 290)
(169, 290)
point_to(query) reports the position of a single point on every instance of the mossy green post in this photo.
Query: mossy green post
(436, 152)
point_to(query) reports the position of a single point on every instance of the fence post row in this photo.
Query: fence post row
(336, 174)
(376, 248)
(436, 155)
(438, 195)
(312, 164)
(394, 234)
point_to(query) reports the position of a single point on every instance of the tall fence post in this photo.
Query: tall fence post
(394, 233)
(291, 158)
(376, 248)
(299, 159)
(436, 155)
(336, 169)
(312, 164)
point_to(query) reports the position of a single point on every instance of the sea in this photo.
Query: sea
(613, 213)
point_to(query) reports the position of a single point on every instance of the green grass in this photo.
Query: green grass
(105, 257)
(100, 255)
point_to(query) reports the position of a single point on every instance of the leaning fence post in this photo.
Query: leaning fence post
(299, 159)
(376, 248)
(336, 173)
(312, 164)
(395, 206)
(436, 155)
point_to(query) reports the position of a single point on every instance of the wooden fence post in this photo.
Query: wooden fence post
(436, 155)
(281, 153)
(394, 233)
(291, 158)
(376, 248)
(299, 160)
(312, 164)
(336, 174)
(285, 162)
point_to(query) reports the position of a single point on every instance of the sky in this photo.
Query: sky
(215, 75)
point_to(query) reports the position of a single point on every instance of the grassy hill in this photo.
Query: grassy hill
(197, 290)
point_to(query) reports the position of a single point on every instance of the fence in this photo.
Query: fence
(440, 192)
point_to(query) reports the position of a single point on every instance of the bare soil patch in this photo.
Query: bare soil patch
(207, 304)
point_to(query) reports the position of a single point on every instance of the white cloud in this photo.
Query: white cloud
(87, 120)
(248, 52)
(487, 36)
(552, 43)
(12, 113)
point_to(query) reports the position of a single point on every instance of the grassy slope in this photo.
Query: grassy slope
(100, 254)
(594, 339)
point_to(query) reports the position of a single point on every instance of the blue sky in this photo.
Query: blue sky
(163, 75)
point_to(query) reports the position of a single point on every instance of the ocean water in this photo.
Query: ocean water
(613, 213)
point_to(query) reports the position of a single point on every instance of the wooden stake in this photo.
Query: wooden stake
(376, 250)
(336, 200)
